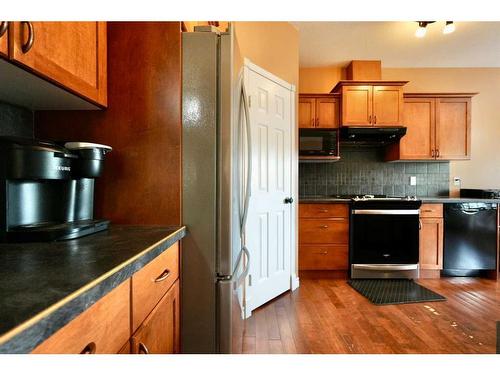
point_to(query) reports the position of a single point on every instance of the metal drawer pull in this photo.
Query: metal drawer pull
(31, 37)
(385, 212)
(437, 153)
(386, 267)
(427, 210)
(3, 28)
(143, 349)
(323, 226)
(163, 276)
(323, 211)
(321, 252)
(89, 349)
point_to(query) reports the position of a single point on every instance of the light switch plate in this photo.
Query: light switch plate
(456, 181)
(413, 180)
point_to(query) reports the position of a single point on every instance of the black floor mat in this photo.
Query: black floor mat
(393, 291)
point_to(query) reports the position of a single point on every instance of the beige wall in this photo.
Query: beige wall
(483, 170)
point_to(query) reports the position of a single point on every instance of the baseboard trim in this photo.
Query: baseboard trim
(294, 282)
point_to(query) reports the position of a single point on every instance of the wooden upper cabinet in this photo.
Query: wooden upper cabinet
(438, 127)
(318, 111)
(387, 105)
(307, 112)
(418, 143)
(159, 334)
(4, 35)
(357, 105)
(70, 54)
(453, 128)
(327, 113)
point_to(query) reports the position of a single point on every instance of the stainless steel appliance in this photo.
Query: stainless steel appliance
(470, 239)
(215, 195)
(371, 135)
(384, 237)
(318, 143)
(48, 189)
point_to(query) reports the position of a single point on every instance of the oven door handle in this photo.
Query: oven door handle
(386, 267)
(385, 212)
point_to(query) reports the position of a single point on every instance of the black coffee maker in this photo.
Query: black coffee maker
(47, 190)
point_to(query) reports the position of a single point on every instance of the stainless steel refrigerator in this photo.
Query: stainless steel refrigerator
(215, 195)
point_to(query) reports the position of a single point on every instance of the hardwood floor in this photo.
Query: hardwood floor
(328, 316)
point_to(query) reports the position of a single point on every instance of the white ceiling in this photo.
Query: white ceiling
(473, 44)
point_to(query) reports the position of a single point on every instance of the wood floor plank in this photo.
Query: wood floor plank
(325, 315)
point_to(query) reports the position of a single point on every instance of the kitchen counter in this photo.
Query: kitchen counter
(43, 286)
(323, 199)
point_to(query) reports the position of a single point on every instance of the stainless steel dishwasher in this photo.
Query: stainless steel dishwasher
(470, 239)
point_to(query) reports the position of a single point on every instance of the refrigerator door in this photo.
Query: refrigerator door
(200, 55)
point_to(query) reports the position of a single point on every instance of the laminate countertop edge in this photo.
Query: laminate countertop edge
(29, 334)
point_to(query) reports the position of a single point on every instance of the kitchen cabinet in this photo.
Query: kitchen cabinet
(371, 103)
(102, 329)
(128, 321)
(159, 333)
(318, 111)
(438, 128)
(4, 35)
(70, 54)
(431, 237)
(323, 236)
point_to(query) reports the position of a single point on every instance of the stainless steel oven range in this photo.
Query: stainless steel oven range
(384, 237)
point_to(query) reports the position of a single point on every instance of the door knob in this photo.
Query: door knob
(288, 200)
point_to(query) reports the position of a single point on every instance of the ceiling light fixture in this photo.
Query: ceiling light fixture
(449, 27)
(422, 28)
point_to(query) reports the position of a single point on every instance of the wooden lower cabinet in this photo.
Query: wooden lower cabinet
(159, 333)
(4, 34)
(323, 236)
(431, 237)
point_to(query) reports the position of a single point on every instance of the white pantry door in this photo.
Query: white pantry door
(269, 225)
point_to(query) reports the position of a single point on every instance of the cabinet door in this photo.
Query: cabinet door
(71, 54)
(431, 244)
(4, 34)
(453, 128)
(159, 333)
(387, 105)
(327, 113)
(307, 112)
(324, 257)
(357, 105)
(419, 119)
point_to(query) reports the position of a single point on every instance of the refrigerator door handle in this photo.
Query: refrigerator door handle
(241, 278)
(249, 157)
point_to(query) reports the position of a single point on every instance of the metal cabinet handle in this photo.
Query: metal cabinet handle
(437, 153)
(419, 224)
(317, 122)
(89, 349)
(427, 210)
(323, 211)
(3, 28)
(143, 349)
(370, 119)
(375, 119)
(313, 122)
(31, 37)
(323, 226)
(433, 153)
(321, 252)
(163, 276)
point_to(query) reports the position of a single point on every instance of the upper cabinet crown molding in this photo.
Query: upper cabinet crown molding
(439, 94)
(72, 56)
(337, 88)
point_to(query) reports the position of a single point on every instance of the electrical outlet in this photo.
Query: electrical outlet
(456, 181)
(413, 180)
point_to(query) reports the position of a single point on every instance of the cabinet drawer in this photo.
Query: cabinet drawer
(152, 282)
(431, 210)
(317, 257)
(325, 231)
(314, 210)
(103, 328)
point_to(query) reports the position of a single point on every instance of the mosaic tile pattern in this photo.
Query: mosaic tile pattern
(363, 171)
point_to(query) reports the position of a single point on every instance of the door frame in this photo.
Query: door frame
(294, 161)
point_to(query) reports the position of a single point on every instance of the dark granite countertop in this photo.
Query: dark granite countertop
(43, 286)
(323, 199)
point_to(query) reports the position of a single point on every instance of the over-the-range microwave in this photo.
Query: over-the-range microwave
(318, 143)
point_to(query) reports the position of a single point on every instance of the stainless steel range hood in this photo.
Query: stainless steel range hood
(370, 135)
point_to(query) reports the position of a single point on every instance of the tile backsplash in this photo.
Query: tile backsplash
(363, 171)
(15, 121)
